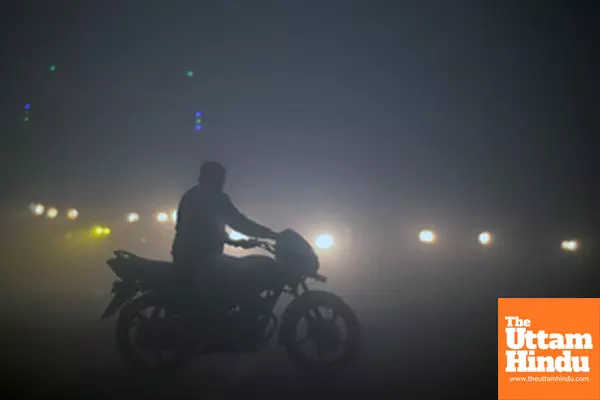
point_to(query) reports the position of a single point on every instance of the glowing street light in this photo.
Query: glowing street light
(133, 217)
(162, 217)
(324, 241)
(485, 238)
(72, 214)
(174, 215)
(52, 213)
(427, 236)
(569, 245)
(37, 209)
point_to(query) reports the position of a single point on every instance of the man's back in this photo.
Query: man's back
(201, 218)
(200, 228)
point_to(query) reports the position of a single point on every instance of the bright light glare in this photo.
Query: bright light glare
(133, 217)
(324, 241)
(485, 238)
(174, 215)
(570, 245)
(162, 217)
(101, 231)
(52, 213)
(37, 209)
(233, 235)
(427, 237)
(72, 213)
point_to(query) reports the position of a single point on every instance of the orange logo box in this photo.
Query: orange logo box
(548, 349)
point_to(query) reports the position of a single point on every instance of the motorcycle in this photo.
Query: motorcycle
(150, 323)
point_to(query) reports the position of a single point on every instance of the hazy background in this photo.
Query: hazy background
(366, 120)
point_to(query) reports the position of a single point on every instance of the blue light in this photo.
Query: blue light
(198, 114)
(198, 127)
(27, 106)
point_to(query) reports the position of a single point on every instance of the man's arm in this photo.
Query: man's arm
(238, 221)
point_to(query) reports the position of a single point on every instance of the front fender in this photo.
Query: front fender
(296, 309)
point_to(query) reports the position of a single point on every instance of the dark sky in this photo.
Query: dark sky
(477, 113)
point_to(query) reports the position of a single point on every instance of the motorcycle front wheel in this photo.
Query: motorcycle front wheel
(146, 336)
(320, 333)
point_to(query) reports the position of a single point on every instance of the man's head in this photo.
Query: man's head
(212, 175)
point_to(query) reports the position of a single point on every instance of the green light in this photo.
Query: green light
(26, 118)
(198, 120)
(190, 74)
(53, 68)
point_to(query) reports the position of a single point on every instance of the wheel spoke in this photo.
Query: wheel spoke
(318, 314)
(155, 315)
(140, 316)
(323, 320)
(308, 337)
(334, 315)
(320, 352)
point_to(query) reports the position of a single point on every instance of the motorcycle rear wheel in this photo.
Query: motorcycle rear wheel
(151, 336)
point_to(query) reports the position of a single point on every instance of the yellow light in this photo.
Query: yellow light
(233, 235)
(38, 209)
(570, 245)
(72, 213)
(485, 238)
(427, 237)
(174, 215)
(162, 217)
(100, 231)
(324, 241)
(52, 213)
(133, 217)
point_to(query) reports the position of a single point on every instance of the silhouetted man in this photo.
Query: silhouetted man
(200, 233)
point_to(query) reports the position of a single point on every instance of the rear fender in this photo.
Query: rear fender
(124, 293)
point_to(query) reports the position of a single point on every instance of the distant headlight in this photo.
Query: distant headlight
(485, 238)
(427, 236)
(133, 217)
(37, 209)
(52, 213)
(324, 241)
(162, 217)
(72, 213)
(570, 245)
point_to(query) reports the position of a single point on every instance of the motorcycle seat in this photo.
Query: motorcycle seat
(155, 263)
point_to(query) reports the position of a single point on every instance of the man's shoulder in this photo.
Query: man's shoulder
(199, 191)
(225, 197)
(196, 189)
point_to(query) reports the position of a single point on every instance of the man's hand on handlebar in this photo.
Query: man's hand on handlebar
(244, 244)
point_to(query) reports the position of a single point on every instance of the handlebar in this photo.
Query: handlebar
(250, 243)
(319, 278)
